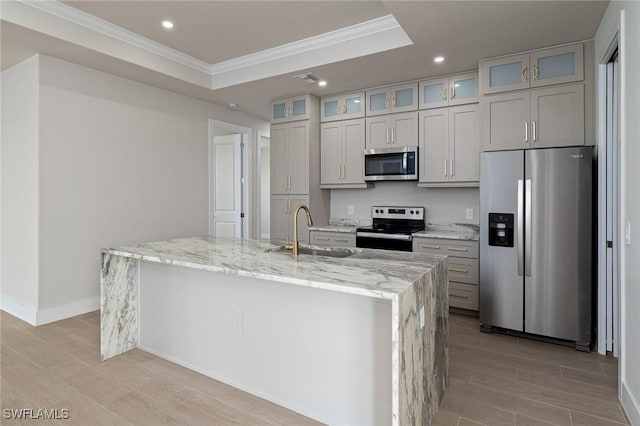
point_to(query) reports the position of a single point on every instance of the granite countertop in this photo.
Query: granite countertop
(377, 273)
(334, 228)
(451, 231)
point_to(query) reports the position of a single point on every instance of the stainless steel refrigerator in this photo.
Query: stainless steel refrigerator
(536, 242)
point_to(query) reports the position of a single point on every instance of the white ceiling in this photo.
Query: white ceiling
(462, 31)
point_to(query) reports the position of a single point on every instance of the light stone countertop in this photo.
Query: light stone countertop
(450, 231)
(377, 273)
(334, 228)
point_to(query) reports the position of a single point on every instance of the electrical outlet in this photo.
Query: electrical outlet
(350, 210)
(469, 213)
(627, 233)
(421, 317)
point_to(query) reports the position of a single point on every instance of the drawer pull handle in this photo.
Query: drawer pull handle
(322, 239)
(457, 249)
(459, 270)
(459, 297)
(342, 240)
(428, 246)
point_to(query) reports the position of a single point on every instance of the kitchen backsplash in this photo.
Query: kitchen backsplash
(442, 205)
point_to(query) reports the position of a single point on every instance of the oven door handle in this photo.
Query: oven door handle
(400, 237)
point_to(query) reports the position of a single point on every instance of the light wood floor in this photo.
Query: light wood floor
(494, 380)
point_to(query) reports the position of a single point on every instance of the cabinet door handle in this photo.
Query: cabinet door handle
(453, 92)
(393, 135)
(393, 102)
(388, 135)
(525, 73)
(457, 249)
(386, 102)
(445, 168)
(526, 132)
(464, 271)
(429, 246)
(444, 93)
(535, 72)
(452, 170)
(534, 130)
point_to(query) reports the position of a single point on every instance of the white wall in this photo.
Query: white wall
(119, 162)
(443, 205)
(265, 187)
(630, 197)
(19, 180)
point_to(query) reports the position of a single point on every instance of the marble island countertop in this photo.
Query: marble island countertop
(376, 273)
(348, 229)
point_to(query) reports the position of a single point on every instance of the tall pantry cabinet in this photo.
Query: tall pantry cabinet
(295, 167)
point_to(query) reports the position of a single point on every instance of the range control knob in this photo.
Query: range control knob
(411, 212)
(382, 211)
(377, 211)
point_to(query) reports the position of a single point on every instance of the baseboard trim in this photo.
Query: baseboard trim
(57, 313)
(630, 404)
(18, 310)
(38, 317)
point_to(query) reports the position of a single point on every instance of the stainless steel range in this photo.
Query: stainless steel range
(392, 228)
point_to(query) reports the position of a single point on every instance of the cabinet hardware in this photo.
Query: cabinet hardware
(460, 297)
(452, 170)
(342, 240)
(286, 184)
(393, 102)
(388, 131)
(535, 72)
(429, 246)
(322, 239)
(464, 271)
(444, 93)
(526, 132)
(288, 206)
(534, 130)
(453, 93)
(457, 249)
(393, 135)
(386, 102)
(445, 168)
(525, 73)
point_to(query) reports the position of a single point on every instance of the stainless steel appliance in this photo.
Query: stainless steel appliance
(391, 164)
(392, 228)
(536, 242)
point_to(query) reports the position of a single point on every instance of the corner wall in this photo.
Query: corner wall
(19, 189)
(630, 197)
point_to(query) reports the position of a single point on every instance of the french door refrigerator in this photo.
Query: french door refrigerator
(536, 242)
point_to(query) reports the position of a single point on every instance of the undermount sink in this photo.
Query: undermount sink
(319, 251)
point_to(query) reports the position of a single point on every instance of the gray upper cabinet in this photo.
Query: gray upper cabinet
(342, 107)
(341, 154)
(539, 118)
(392, 130)
(543, 67)
(392, 99)
(290, 109)
(448, 91)
(449, 146)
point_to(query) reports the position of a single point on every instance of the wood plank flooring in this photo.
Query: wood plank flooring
(494, 380)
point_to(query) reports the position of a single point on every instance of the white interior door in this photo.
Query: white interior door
(227, 180)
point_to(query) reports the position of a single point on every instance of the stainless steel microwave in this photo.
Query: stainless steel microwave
(391, 164)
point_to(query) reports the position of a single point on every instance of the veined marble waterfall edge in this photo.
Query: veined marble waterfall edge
(118, 305)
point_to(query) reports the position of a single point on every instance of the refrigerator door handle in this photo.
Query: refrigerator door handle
(520, 226)
(527, 221)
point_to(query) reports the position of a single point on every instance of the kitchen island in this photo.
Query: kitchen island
(354, 340)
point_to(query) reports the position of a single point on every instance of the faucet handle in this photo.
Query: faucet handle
(288, 246)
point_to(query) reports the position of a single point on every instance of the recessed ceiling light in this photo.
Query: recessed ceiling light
(438, 59)
(322, 83)
(167, 24)
(233, 106)
(356, 101)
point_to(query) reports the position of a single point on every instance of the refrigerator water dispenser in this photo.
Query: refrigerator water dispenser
(501, 229)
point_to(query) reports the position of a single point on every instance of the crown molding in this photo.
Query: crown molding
(342, 35)
(94, 23)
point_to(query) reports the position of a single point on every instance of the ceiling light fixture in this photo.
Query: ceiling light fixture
(233, 106)
(167, 24)
(356, 101)
(438, 59)
(322, 83)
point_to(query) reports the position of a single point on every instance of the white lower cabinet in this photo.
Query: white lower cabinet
(342, 154)
(282, 209)
(463, 268)
(332, 239)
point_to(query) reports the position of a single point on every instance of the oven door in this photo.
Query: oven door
(391, 164)
(400, 242)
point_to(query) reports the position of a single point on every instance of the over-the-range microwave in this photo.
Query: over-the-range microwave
(391, 164)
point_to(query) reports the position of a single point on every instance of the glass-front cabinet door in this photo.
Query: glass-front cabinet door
(504, 74)
(434, 93)
(463, 89)
(278, 111)
(353, 105)
(330, 109)
(557, 65)
(298, 108)
(378, 101)
(404, 97)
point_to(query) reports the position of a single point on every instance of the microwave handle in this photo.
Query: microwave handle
(404, 161)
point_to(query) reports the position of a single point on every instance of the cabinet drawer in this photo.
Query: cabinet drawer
(463, 270)
(332, 239)
(457, 248)
(463, 296)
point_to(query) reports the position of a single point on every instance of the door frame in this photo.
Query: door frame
(259, 207)
(247, 205)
